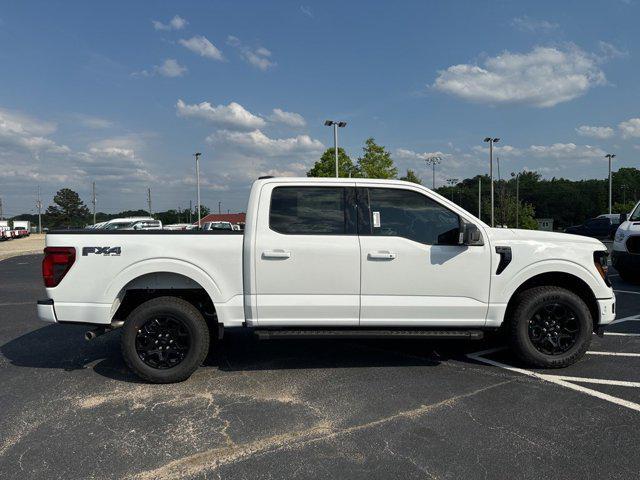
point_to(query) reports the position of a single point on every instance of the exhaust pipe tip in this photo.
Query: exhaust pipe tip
(90, 335)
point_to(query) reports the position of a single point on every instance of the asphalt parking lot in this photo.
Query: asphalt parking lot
(311, 409)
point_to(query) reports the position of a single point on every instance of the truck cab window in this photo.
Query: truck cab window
(309, 211)
(409, 214)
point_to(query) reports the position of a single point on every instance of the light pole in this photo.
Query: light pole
(197, 155)
(93, 200)
(335, 125)
(479, 198)
(610, 156)
(491, 141)
(433, 161)
(452, 182)
(39, 205)
(517, 175)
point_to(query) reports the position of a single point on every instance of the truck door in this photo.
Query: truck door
(307, 255)
(414, 272)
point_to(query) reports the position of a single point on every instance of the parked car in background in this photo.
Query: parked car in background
(603, 226)
(132, 223)
(22, 225)
(176, 226)
(625, 254)
(217, 226)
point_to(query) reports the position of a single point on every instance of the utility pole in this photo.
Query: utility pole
(39, 206)
(197, 155)
(479, 198)
(452, 182)
(491, 141)
(517, 175)
(610, 156)
(219, 207)
(433, 161)
(335, 125)
(93, 201)
(190, 210)
(1, 215)
(149, 200)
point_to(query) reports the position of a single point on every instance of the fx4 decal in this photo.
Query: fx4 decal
(105, 251)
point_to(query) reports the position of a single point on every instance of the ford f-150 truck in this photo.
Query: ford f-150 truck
(330, 258)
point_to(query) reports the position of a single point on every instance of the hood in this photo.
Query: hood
(633, 227)
(541, 236)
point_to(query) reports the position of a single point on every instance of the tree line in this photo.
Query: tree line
(519, 199)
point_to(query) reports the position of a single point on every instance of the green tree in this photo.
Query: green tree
(326, 166)
(411, 177)
(376, 161)
(68, 210)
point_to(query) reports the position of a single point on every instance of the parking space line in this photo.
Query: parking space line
(630, 318)
(627, 291)
(615, 354)
(552, 379)
(621, 334)
(599, 381)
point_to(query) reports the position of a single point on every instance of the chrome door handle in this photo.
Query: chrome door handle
(381, 255)
(281, 254)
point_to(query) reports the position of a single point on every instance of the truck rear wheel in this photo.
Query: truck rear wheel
(551, 327)
(165, 340)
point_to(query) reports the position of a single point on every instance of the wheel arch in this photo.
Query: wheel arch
(560, 279)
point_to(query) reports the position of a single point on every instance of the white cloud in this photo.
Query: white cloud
(583, 153)
(171, 68)
(306, 10)
(203, 47)
(595, 132)
(89, 121)
(528, 24)
(232, 115)
(630, 128)
(288, 118)
(502, 150)
(257, 142)
(176, 23)
(608, 50)
(22, 132)
(544, 77)
(259, 57)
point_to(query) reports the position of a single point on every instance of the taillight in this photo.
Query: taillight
(56, 263)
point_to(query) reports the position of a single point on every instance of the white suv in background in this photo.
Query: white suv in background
(625, 255)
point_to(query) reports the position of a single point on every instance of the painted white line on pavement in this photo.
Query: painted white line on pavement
(627, 291)
(630, 318)
(616, 354)
(620, 334)
(558, 381)
(599, 381)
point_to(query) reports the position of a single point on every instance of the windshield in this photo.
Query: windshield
(635, 215)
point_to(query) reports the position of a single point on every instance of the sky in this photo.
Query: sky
(123, 93)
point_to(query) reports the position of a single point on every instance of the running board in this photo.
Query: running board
(266, 334)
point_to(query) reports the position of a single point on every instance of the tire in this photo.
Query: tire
(531, 308)
(186, 326)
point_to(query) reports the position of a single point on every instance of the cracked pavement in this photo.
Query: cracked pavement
(298, 409)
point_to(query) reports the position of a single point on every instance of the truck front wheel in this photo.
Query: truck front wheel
(164, 340)
(551, 327)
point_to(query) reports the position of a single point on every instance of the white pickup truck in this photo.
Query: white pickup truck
(330, 258)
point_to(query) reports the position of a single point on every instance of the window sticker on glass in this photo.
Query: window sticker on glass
(376, 219)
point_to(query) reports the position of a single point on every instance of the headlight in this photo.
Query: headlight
(600, 261)
(619, 236)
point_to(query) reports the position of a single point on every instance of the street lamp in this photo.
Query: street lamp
(433, 161)
(452, 182)
(197, 155)
(491, 141)
(610, 156)
(335, 125)
(517, 175)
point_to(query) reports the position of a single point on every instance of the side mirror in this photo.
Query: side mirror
(470, 234)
